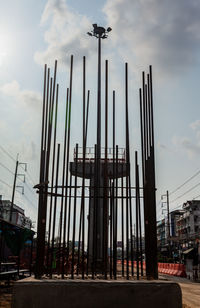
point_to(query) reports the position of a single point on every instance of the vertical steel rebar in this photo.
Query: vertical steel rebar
(68, 150)
(41, 227)
(122, 222)
(63, 179)
(113, 193)
(69, 221)
(74, 214)
(127, 178)
(116, 208)
(55, 208)
(106, 175)
(137, 214)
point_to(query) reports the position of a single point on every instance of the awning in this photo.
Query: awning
(188, 251)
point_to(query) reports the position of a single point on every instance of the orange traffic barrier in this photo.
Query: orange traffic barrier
(168, 269)
(162, 267)
(175, 271)
(172, 267)
(165, 268)
(181, 271)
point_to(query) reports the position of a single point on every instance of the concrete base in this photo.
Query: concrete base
(33, 293)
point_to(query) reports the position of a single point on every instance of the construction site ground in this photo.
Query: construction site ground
(190, 292)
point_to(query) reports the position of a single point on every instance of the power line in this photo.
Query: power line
(192, 177)
(196, 197)
(32, 182)
(14, 160)
(30, 189)
(6, 168)
(6, 184)
(30, 202)
(185, 192)
(7, 153)
(180, 205)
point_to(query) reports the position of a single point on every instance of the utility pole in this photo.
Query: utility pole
(14, 184)
(168, 222)
(13, 191)
(167, 195)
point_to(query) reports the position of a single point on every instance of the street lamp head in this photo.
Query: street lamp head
(104, 36)
(99, 32)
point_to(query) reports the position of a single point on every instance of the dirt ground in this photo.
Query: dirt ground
(190, 292)
(5, 296)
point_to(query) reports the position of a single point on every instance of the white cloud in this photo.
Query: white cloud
(161, 146)
(29, 98)
(183, 143)
(195, 125)
(164, 33)
(66, 34)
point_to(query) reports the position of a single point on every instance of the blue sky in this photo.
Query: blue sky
(162, 33)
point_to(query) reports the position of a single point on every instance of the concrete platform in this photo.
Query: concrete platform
(34, 293)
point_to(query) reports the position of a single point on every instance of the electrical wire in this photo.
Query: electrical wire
(35, 207)
(185, 192)
(7, 153)
(196, 197)
(188, 180)
(5, 183)
(14, 160)
(31, 190)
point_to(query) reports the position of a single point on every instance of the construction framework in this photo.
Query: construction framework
(88, 207)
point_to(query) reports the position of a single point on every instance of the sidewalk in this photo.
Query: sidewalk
(190, 291)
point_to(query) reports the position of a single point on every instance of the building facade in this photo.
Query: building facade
(188, 224)
(18, 216)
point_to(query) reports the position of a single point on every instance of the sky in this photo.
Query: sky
(164, 34)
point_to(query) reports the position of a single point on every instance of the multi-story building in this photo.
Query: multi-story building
(161, 233)
(18, 215)
(174, 218)
(188, 224)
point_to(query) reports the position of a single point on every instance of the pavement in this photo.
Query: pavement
(190, 290)
(5, 295)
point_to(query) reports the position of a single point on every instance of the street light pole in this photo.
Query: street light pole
(99, 102)
(99, 33)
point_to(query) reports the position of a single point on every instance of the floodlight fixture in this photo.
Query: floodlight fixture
(99, 32)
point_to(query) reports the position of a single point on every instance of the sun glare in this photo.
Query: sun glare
(5, 46)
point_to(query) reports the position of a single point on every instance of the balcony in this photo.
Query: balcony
(90, 154)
